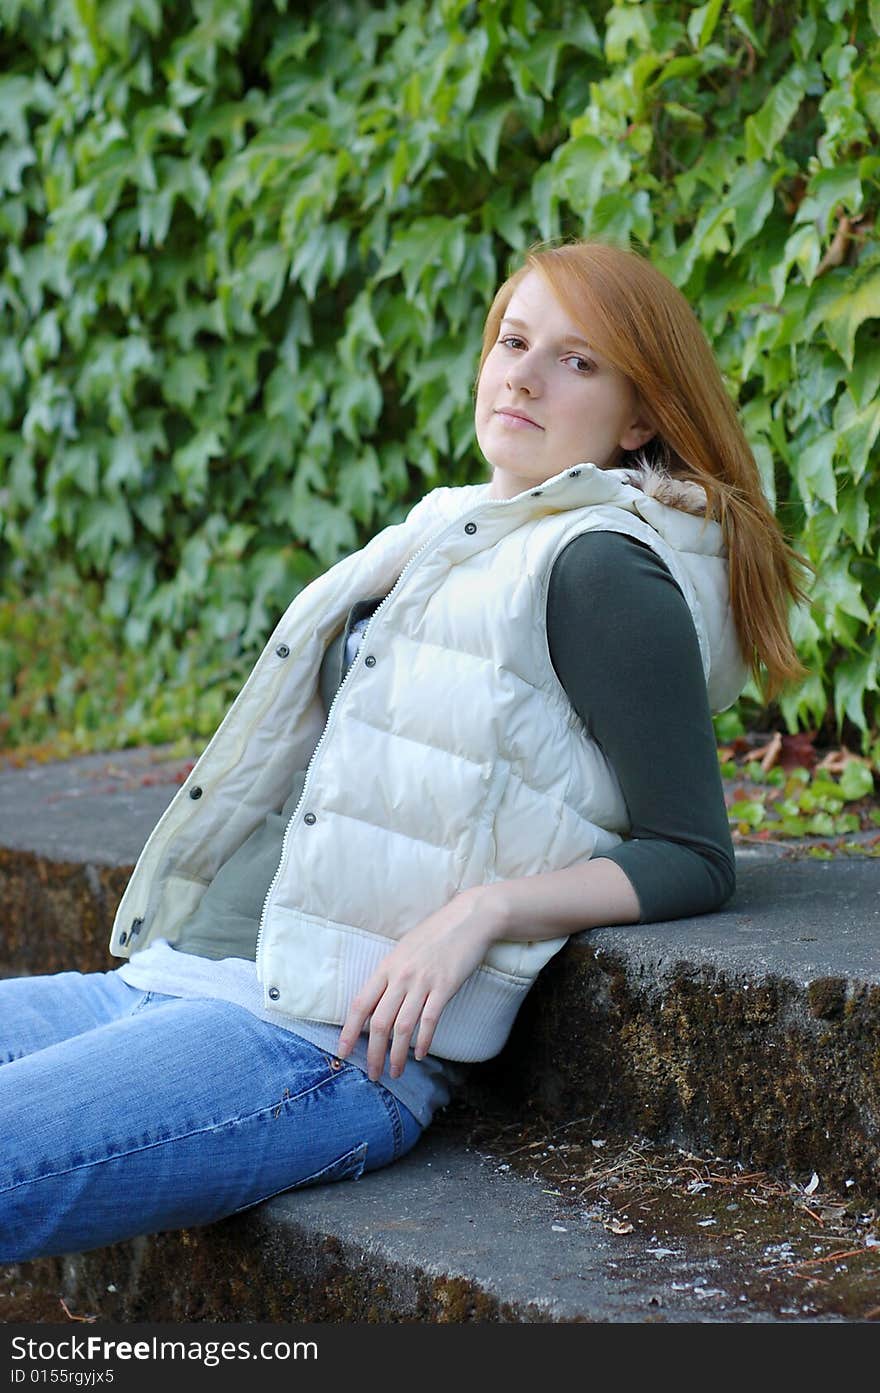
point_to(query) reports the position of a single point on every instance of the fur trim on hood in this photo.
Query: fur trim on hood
(675, 493)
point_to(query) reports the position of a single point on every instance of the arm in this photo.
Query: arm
(645, 703)
(612, 597)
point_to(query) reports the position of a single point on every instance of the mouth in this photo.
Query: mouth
(517, 417)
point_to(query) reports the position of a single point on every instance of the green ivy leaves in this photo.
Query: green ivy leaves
(248, 252)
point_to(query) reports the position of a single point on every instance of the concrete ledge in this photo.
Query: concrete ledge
(70, 833)
(754, 1032)
(445, 1236)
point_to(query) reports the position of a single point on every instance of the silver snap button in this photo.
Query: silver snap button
(470, 528)
(310, 819)
(195, 792)
(274, 993)
(282, 650)
(369, 661)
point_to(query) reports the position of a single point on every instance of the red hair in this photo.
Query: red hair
(644, 327)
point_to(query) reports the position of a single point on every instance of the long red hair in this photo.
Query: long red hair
(644, 327)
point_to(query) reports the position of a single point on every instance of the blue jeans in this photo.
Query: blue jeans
(125, 1112)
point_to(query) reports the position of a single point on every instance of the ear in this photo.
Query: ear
(637, 434)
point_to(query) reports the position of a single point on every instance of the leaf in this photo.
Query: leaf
(828, 190)
(702, 21)
(815, 470)
(767, 127)
(185, 379)
(191, 461)
(864, 380)
(360, 483)
(856, 781)
(483, 131)
(751, 197)
(328, 530)
(855, 516)
(356, 403)
(625, 25)
(585, 168)
(857, 300)
(105, 523)
(541, 60)
(859, 430)
(853, 679)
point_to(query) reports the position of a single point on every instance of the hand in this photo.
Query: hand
(413, 982)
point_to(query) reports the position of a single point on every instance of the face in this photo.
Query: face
(546, 400)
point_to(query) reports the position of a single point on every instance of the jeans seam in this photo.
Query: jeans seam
(145, 1000)
(393, 1111)
(164, 1141)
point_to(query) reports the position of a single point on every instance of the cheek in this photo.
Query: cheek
(485, 392)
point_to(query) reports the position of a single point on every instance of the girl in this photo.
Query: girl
(485, 731)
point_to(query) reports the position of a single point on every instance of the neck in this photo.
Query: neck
(505, 485)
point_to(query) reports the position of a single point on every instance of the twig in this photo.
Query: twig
(70, 1316)
(829, 1257)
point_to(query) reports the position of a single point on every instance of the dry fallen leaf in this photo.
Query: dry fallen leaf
(835, 761)
(769, 754)
(618, 1226)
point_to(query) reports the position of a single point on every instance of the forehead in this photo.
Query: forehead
(534, 302)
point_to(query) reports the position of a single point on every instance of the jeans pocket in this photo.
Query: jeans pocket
(349, 1166)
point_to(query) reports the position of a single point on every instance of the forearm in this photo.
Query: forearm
(555, 903)
(415, 980)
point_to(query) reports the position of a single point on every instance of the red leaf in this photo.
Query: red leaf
(798, 751)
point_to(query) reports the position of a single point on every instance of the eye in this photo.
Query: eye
(512, 341)
(582, 365)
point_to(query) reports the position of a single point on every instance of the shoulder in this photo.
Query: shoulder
(600, 563)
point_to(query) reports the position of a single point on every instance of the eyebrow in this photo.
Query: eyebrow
(569, 338)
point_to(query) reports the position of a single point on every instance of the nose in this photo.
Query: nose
(523, 376)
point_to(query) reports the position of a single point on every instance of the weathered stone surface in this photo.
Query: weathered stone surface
(445, 1236)
(56, 915)
(714, 1042)
(755, 1031)
(70, 833)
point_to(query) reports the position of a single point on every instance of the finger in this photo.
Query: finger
(381, 1026)
(359, 1011)
(433, 1009)
(406, 1023)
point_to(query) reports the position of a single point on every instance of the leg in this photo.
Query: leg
(40, 1011)
(178, 1114)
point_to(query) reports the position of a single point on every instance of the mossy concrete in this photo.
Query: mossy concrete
(750, 1054)
(446, 1236)
(56, 915)
(250, 1269)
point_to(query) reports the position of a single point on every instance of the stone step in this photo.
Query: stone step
(754, 1032)
(452, 1235)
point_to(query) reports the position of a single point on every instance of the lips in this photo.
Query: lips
(511, 415)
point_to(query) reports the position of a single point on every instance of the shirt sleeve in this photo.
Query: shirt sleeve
(623, 644)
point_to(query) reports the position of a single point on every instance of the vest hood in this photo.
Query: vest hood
(686, 539)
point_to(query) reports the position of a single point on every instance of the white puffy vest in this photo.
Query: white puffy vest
(451, 755)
